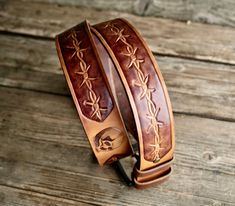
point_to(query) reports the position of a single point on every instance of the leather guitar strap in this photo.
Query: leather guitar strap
(119, 92)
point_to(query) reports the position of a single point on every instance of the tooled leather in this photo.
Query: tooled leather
(117, 89)
(90, 88)
(87, 66)
(145, 87)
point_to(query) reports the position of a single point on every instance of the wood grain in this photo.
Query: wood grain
(195, 87)
(46, 153)
(45, 157)
(130, 6)
(167, 37)
(210, 11)
(23, 197)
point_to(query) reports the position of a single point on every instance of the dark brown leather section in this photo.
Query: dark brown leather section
(144, 85)
(89, 85)
(117, 87)
(92, 95)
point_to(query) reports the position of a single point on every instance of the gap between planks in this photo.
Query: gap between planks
(45, 166)
(195, 87)
(168, 37)
(12, 195)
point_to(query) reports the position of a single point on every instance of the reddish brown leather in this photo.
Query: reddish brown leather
(117, 88)
(92, 96)
(145, 88)
(110, 65)
(87, 85)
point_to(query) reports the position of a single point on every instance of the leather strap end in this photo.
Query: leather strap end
(156, 175)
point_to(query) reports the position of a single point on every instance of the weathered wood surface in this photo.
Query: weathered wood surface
(43, 147)
(46, 152)
(166, 37)
(204, 85)
(22, 197)
(207, 11)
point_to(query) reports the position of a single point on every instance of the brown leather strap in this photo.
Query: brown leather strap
(113, 76)
(95, 104)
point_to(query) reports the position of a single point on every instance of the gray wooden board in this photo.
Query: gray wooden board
(48, 153)
(45, 158)
(195, 87)
(167, 37)
(207, 11)
(214, 12)
(22, 197)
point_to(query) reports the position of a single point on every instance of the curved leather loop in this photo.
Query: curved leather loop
(148, 177)
(118, 90)
(149, 183)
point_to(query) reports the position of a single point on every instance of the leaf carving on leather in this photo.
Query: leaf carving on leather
(93, 100)
(108, 139)
(146, 92)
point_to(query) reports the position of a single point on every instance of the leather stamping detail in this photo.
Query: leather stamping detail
(114, 79)
(92, 95)
(108, 139)
(145, 93)
(93, 100)
(85, 76)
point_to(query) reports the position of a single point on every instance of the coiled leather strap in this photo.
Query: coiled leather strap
(119, 92)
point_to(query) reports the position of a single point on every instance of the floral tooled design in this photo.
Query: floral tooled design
(93, 100)
(146, 92)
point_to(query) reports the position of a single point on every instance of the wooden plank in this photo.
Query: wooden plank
(195, 87)
(210, 11)
(101, 191)
(22, 197)
(167, 37)
(48, 153)
(130, 6)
